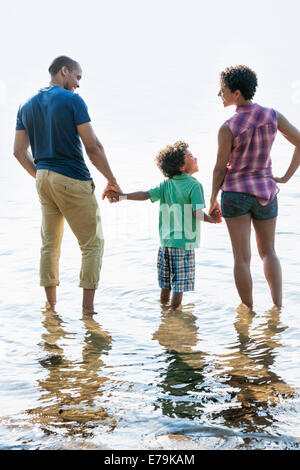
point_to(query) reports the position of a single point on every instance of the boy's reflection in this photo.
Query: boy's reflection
(70, 389)
(178, 334)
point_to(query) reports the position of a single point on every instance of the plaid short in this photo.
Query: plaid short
(176, 269)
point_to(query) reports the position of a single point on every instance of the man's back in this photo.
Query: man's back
(50, 119)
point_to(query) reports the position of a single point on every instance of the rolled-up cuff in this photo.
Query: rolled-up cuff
(88, 285)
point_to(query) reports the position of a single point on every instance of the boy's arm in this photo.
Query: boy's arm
(136, 196)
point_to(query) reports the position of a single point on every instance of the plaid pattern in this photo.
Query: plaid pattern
(176, 269)
(249, 169)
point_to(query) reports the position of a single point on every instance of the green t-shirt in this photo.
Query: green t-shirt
(179, 197)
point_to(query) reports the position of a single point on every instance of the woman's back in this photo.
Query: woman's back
(249, 169)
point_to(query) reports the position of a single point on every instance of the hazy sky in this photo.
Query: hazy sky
(146, 62)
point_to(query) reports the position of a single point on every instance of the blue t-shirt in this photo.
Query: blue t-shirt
(50, 118)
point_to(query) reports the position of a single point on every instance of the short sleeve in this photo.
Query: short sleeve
(80, 110)
(197, 197)
(20, 126)
(155, 193)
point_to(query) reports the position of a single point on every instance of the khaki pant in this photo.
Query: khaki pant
(62, 198)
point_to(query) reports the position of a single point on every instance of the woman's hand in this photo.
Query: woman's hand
(214, 205)
(283, 179)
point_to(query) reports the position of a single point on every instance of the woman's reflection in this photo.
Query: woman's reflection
(256, 388)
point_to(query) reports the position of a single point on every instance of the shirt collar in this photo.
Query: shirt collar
(242, 109)
(183, 175)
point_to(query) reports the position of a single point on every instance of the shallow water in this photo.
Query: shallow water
(134, 375)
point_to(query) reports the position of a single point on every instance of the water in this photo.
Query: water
(133, 376)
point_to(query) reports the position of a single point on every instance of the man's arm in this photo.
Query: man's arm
(96, 154)
(292, 135)
(225, 141)
(22, 154)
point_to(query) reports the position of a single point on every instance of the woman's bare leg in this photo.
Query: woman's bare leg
(240, 230)
(265, 239)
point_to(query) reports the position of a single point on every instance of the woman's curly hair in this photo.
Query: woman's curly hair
(240, 77)
(172, 158)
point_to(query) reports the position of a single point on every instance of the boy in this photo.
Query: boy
(181, 202)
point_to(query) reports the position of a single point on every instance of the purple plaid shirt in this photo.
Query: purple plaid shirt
(249, 169)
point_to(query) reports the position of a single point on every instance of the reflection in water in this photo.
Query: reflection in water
(178, 334)
(70, 389)
(239, 389)
(257, 388)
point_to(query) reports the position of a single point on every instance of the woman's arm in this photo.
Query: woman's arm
(292, 134)
(225, 142)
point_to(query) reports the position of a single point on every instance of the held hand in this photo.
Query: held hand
(114, 188)
(216, 216)
(112, 196)
(214, 205)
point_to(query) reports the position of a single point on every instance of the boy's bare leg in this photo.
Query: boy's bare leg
(165, 296)
(176, 300)
(88, 301)
(51, 296)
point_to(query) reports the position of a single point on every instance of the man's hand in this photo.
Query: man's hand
(113, 196)
(112, 192)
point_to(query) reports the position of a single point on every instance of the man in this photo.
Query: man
(52, 123)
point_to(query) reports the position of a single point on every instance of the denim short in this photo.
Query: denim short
(235, 204)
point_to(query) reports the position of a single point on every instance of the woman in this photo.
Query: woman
(243, 172)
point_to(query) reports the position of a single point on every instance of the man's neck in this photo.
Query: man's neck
(54, 82)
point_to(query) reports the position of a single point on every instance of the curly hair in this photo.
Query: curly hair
(240, 77)
(172, 158)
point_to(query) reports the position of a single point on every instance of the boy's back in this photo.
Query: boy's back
(179, 197)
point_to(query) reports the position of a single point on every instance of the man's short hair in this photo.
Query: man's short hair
(240, 77)
(172, 158)
(62, 61)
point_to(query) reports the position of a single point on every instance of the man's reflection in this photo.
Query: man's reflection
(70, 389)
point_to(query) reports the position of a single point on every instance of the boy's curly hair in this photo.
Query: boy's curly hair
(240, 77)
(171, 159)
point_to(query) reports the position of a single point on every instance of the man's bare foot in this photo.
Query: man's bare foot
(88, 311)
(50, 306)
